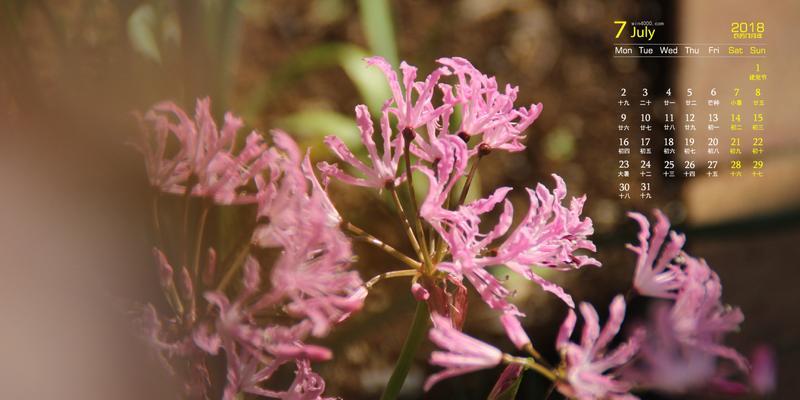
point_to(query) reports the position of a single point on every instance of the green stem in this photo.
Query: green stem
(531, 364)
(413, 340)
(367, 238)
(406, 224)
(198, 241)
(468, 182)
(426, 255)
(234, 266)
(156, 220)
(389, 275)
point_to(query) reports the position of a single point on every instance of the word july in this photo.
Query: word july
(642, 32)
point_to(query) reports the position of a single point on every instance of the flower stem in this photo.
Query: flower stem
(234, 266)
(198, 242)
(366, 237)
(415, 335)
(531, 364)
(406, 224)
(388, 275)
(417, 220)
(156, 220)
(468, 182)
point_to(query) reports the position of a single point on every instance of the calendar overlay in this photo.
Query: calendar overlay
(691, 131)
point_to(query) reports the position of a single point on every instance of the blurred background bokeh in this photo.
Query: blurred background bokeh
(74, 219)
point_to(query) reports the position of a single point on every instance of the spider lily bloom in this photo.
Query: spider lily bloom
(281, 195)
(204, 164)
(549, 236)
(311, 273)
(291, 191)
(411, 113)
(226, 174)
(460, 230)
(486, 110)
(657, 276)
(665, 364)
(384, 166)
(463, 354)
(167, 174)
(699, 318)
(232, 324)
(253, 353)
(589, 369)
(437, 144)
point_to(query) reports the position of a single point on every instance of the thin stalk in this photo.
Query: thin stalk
(536, 355)
(170, 292)
(417, 220)
(550, 391)
(156, 220)
(198, 241)
(366, 237)
(406, 224)
(531, 364)
(174, 300)
(389, 275)
(234, 266)
(185, 225)
(468, 182)
(415, 336)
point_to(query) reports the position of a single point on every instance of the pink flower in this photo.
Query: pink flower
(254, 353)
(411, 112)
(515, 331)
(486, 110)
(672, 361)
(384, 166)
(666, 364)
(657, 276)
(460, 230)
(280, 197)
(312, 271)
(204, 160)
(307, 384)
(589, 368)
(699, 318)
(463, 354)
(549, 236)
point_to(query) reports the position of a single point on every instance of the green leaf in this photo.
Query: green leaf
(376, 20)
(370, 82)
(142, 26)
(313, 124)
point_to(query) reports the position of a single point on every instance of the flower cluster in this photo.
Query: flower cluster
(457, 242)
(310, 286)
(687, 333)
(678, 350)
(550, 235)
(204, 163)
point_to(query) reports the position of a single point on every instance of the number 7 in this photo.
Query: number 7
(621, 28)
